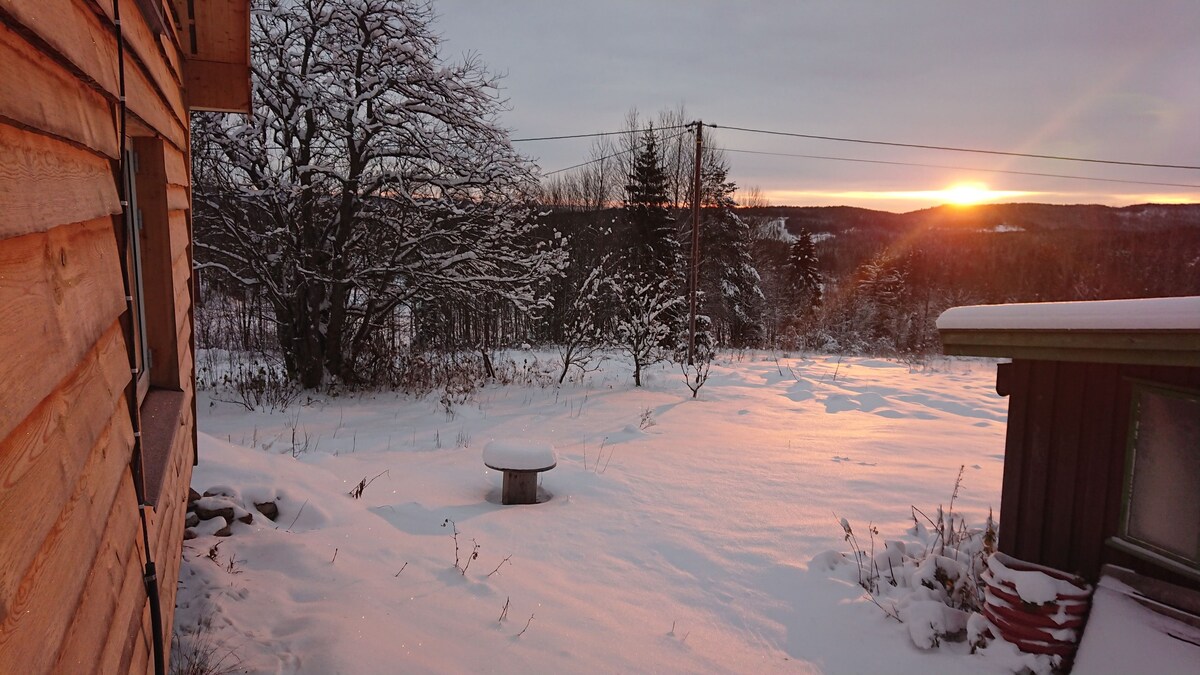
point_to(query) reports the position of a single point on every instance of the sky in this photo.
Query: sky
(1103, 79)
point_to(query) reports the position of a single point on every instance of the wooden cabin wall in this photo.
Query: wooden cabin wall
(71, 552)
(1064, 462)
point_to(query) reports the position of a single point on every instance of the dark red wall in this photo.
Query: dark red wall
(1064, 462)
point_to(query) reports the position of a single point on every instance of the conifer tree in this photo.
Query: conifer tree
(732, 298)
(651, 252)
(649, 304)
(804, 277)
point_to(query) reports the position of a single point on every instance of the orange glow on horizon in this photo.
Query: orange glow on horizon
(961, 194)
(907, 200)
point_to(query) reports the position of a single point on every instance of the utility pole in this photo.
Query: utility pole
(694, 280)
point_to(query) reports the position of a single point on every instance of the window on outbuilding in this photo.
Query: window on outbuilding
(1162, 501)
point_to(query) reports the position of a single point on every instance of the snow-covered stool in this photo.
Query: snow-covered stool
(521, 463)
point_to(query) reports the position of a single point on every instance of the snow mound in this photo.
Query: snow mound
(519, 456)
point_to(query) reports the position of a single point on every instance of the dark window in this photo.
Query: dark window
(1162, 481)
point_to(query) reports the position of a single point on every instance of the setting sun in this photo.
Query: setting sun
(965, 194)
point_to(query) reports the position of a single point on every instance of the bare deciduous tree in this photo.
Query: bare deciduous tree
(371, 174)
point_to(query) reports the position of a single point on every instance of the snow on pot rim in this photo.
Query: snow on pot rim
(1050, 615)
(1034, 583)
(1006, 593)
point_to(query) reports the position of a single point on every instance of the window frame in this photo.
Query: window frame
(1125, 539)
(134, 232)
(150, 272)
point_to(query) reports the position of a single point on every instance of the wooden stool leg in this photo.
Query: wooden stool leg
(520, 487)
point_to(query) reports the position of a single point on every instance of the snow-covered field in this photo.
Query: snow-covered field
(677, 535)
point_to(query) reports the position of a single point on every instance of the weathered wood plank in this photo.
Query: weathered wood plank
(141, 40)
(1011, 510)
(177, 168)
(218, 87)
(43, 459)
(34, 623)
(1039, 445)
(88, 42)
(1117, 440)
(59, 292)
(183, 290)
(1099, 400)
(179, 235)
(186, 359)
(1063, 470)
(122, 631)
(170, 536)
(38, 92)
(45, 182)
(145, 102)
(80, 37)
(113, 574)
(140, 659)
(223, 30)
(178, 198)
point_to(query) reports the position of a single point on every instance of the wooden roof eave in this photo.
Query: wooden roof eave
(216, 43)
(1141, 347)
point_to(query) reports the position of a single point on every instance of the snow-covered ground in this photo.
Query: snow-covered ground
(677, 535)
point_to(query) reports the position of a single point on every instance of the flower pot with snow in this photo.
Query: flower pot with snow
(1039, 609)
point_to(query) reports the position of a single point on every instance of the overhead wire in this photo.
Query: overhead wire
(947, 148)
(959, 168)
(598, 134)
(618, 153)
(689, 126)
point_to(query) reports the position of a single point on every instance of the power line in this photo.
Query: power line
(595, 135)
(616, 154)
(962, 168)
(947, 148)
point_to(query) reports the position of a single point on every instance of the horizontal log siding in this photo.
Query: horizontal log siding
(71, 556)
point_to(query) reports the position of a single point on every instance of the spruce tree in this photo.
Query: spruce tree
(649, 309)
(732, 297)
(803, 276)
(651, 253)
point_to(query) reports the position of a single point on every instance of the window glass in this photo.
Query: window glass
(1164, 490)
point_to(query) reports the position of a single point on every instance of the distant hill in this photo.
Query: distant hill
(988, 217)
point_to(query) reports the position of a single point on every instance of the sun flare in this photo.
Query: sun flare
(966, 194)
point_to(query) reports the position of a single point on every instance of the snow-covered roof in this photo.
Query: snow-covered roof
(1150, 331)
(1141, 314)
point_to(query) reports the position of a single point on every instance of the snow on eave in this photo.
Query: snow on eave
(1146, 314)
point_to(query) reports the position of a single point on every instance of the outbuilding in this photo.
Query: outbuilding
(1102, 457)
(97, 412)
